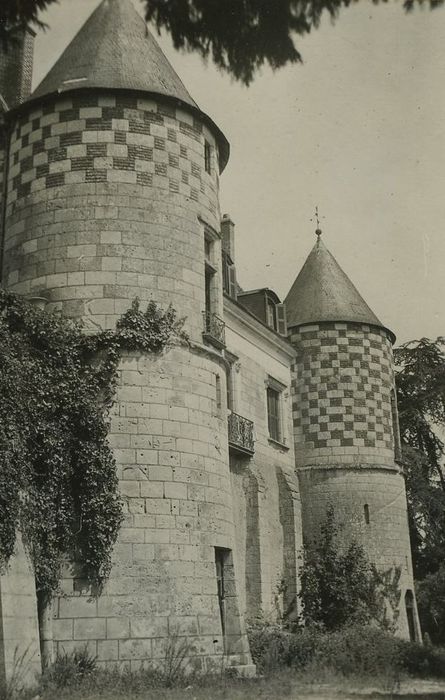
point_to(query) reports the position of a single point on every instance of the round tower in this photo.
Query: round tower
(345, 421)
(113, 194)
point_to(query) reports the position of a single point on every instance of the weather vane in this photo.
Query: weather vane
(318, 230)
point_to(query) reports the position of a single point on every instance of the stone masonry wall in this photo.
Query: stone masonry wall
(343, 427)
(342, 383)
(109, 199)
(385, 537)
(170, 440)
(104, 196)
(266, 497)
(19, 632)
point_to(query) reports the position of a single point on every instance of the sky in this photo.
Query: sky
(358, 129)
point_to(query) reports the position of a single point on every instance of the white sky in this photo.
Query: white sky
(358, 129)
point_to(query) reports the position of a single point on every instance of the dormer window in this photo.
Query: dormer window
(266, 306)
(271, 314)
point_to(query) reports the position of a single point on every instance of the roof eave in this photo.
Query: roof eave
(390, 333)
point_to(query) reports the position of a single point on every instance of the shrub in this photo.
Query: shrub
(421, 660)
(356, 650)
(340, 586)
(70, 668)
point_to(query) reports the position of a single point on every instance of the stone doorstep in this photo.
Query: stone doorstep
(243, 670)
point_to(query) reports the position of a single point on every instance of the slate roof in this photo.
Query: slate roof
(323, 292)
(114, 49)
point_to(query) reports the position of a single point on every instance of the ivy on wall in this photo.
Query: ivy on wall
(58, 482)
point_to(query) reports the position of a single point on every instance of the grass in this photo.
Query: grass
(282, 685)
(351, 663)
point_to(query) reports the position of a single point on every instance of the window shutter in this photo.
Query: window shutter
(281, 318)
(232, 281)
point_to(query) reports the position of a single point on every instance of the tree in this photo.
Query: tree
(420, 381)
(339, 585)
(239, 35)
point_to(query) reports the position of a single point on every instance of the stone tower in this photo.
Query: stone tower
(113, 193)
(345, 420)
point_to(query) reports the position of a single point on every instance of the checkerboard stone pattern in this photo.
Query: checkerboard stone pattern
(106, 199)
(342, 383)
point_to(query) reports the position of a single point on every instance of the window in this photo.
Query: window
(229, 275)
(209, 275)
(218, 392)
(410, 614)
(395, 426)
(273, 414)
(275, 410)
(208, 157)
(208, 250)
(276, 316)
(271, 315)
(230, 392)
(223, 559)
(213, 330)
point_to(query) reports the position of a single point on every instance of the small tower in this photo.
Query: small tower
(345, 420)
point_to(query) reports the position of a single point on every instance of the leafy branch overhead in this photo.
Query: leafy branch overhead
(238, 35)
(58, 481)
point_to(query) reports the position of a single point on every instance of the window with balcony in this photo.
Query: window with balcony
(240, 429)
(213, 325)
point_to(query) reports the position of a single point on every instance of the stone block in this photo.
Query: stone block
(130, 649)
(118, 627)
(148, 628)
(89, 628)
(77, 607)
(63, 629)
(108, 650)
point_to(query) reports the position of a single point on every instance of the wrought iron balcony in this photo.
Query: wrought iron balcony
(241, 434)
(214, 329)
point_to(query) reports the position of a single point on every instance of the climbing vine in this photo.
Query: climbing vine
(58, 482)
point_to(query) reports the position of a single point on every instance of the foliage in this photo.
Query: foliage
(58, 483)
(430, 595)
(421, 398)
(69, 669)
(426, 513)
(420, 381)
(239, 35)
(339, 585)
(361, 650)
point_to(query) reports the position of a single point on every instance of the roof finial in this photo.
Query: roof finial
(318, 230)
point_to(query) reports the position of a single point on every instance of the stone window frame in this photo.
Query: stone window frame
(272, 384)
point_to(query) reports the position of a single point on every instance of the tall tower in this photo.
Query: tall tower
(345, 420)
(112, 194)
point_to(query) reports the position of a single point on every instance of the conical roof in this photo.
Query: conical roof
(114, 49)
(323, 292)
